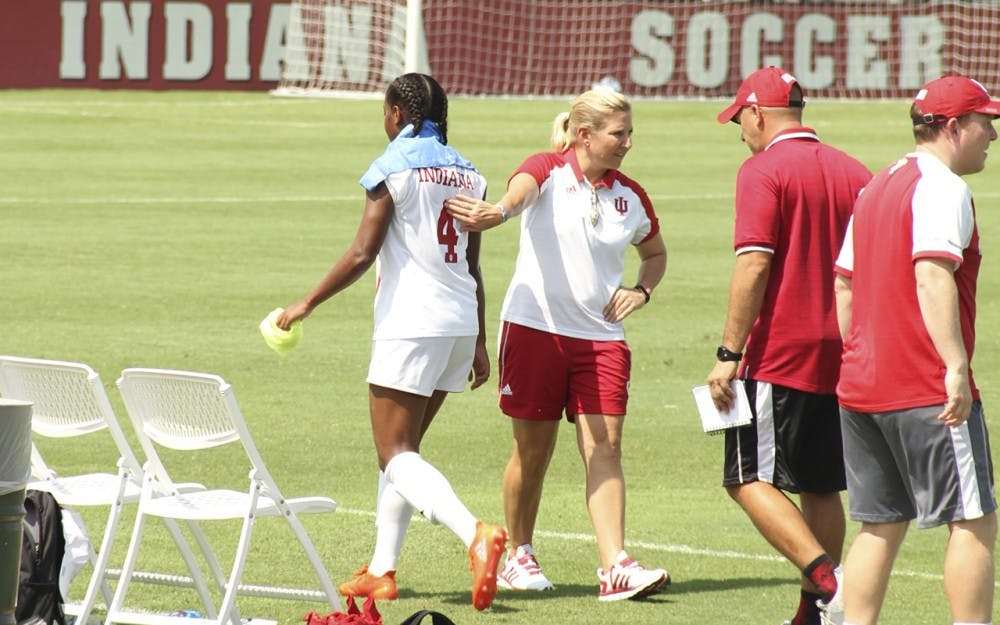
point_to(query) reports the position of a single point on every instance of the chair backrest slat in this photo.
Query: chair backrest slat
(185, 412)
(69, 400)
(65, 403)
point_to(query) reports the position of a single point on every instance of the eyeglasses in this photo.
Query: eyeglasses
(595, 205)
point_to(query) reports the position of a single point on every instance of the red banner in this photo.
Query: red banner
(704, 49)
(208, 44)
(507, 47)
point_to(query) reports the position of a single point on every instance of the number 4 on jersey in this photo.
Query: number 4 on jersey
(447, 235)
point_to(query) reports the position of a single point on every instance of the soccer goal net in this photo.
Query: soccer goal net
(679, 48)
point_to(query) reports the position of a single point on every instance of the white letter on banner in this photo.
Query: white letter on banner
(864, 32)
(758, 27)
(122, 45)
(394, 61)
(921, 41)
(653, 66)
(812, 70)
(189, 27)
(238, 40)
(346, 43)
(278, 23)
(71, 63)
(707, 28)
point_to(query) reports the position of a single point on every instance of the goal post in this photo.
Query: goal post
(652, 48)
(415, 46)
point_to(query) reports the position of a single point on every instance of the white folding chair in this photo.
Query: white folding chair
(70, 401)
(182, 410)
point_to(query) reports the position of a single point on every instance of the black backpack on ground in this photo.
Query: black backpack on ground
(436, 618)
(42, 549)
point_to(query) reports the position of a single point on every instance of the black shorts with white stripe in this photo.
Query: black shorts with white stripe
(793, 442)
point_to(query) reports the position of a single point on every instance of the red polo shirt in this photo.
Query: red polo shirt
(794, 200)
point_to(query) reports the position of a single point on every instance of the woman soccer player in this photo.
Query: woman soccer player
(429, 330)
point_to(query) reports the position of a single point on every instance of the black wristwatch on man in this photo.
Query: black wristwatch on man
(724, 354)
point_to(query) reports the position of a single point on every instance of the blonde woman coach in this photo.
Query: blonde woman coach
(562, 345)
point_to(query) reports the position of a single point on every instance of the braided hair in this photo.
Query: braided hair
(421, 97)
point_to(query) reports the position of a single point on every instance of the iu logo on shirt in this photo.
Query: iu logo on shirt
(621, 205)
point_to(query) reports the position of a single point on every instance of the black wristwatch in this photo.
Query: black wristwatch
(725, 355)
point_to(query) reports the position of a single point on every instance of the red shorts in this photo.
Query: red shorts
(543, 374)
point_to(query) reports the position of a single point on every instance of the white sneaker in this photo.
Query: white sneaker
(629, 580)
(832, 612)
(522, 572)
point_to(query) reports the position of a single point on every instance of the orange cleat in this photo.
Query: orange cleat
(364, 584)
(484, 558)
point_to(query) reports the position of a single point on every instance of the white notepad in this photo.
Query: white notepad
(713, 421)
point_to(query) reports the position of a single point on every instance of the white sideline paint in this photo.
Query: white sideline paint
(163, 103)
(182, 200)
(295, 199)
(201, 120)
(681, 549)
(256, 200)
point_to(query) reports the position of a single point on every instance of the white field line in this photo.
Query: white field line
(680, 549)
(28, 105)
(304, 199)
(203, 120)
(184, 200)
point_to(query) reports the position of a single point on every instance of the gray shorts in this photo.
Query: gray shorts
(906, 464)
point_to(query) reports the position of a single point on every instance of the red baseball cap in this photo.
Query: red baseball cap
(770, 86)
(953, 96)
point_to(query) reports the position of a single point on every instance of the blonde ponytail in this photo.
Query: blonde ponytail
(561, 139)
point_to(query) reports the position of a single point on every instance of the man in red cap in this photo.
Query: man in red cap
(915, 443)
(794, 197)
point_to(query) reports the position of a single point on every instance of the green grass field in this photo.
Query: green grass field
(158, 229)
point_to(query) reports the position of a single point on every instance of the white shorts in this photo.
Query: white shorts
(422, 366)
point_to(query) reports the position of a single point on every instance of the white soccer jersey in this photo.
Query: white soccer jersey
(572, 248)
(424, 286)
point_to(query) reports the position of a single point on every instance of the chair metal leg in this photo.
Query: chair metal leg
(200, 583)
(228, 606)
(307, 545)
(98, 578)
(128, 568)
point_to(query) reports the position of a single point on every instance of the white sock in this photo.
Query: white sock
(392, 517)
(427, 490)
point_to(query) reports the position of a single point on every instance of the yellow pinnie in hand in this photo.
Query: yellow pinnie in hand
(281, 341)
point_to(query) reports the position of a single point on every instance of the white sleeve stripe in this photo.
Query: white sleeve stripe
(754, 248)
